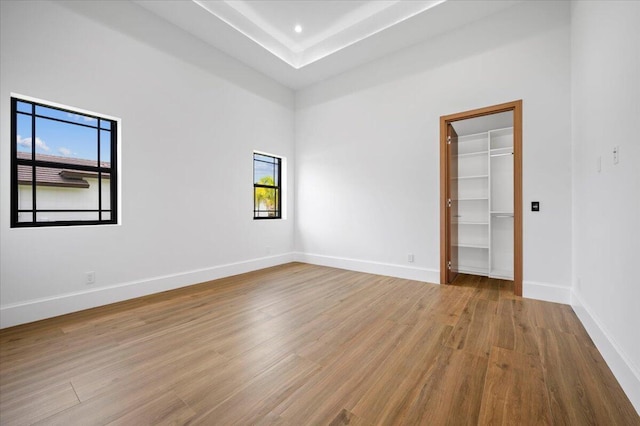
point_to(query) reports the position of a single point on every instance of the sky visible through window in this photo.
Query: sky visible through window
(74, 138)
(265, 166)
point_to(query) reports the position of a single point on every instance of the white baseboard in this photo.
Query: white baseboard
(370, 267)
(625, 371)
(34, 310)
(531, 290)
(547, 292)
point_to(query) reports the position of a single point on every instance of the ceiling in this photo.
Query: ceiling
(335, 36)
(324, 27)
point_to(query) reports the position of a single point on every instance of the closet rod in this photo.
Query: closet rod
(500, 155)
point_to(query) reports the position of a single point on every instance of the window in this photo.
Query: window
(267, 173)
(63, 166)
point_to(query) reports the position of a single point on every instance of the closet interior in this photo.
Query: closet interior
(485, 205)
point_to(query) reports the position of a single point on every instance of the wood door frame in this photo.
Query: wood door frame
(445, 120)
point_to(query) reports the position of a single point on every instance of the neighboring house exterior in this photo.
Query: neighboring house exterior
(62, 189)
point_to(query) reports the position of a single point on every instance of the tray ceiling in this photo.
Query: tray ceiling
(334, 36)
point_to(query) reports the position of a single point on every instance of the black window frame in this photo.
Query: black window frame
(100, 169)
(278, 188)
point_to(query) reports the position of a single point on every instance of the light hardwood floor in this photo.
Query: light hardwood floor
(300, 344)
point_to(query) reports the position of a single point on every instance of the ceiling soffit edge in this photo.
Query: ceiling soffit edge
(363, 22)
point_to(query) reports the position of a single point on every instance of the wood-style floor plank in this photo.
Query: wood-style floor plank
(390, 395)
(261, 395)
(323, 396)
(515, 328)
(166, 409)
(38, 405)
(449, 391)
(577, 392)
(514, 390)
(308, 345)
(345, 417)
(474, 331)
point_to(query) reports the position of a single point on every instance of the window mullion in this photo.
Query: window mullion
(14, 162)
(34, 178)
(279, 191)
(99, 173)
(113, 176)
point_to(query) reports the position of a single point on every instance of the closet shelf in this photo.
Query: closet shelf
(502, 131)
(471, 223)
(506, 149)
(474, 246)
(501, 274)
(474, 136)
(471, 199)
(471, 154)
(471, 177)
(473, 270)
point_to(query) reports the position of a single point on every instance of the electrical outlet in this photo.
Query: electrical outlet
(90, 277)
(410, 258)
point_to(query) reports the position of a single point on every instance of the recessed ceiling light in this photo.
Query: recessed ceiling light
(298, 28)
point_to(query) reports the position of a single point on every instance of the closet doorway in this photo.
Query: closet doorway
(481, 193)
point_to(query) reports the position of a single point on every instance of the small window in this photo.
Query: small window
(267, 173)
(63, 166)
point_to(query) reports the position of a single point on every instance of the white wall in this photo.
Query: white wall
(606, 242)
(367, 146)
(189, 127)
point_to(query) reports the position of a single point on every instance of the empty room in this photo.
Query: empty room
(319, 212)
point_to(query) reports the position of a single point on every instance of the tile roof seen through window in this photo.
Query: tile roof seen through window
(50, 176)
